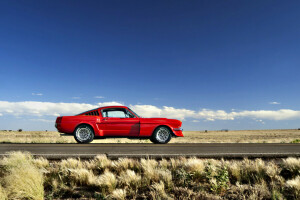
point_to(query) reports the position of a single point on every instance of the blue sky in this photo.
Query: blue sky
(191, 56)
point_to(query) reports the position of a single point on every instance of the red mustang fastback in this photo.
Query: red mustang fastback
(118, 121)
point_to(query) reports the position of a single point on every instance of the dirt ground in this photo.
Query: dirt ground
(242, 136)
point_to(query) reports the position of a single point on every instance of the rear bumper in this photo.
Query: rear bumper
(58, 127)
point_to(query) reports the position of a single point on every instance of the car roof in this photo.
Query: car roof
(102, 108)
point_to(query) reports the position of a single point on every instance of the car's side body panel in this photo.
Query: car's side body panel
(112, 126)
(148, 125)
(68, 124)
(117, 127)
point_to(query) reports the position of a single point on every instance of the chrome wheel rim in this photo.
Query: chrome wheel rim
(83, 134)
(162, 134)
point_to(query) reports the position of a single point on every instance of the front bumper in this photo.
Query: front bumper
(178, 132)
(178, 129)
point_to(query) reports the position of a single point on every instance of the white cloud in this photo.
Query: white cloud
(1, 114)
(195, 121)
(177, 113)
(212, 115)
(282, 114)
(274, 103)
(111, 103)
(146, 110)
(37, 94)
(36, 108)
(260, 121)
(99, 97)
(43, 120)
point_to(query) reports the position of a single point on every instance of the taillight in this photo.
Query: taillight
(58, 120)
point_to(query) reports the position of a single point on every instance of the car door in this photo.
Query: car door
(117, 122)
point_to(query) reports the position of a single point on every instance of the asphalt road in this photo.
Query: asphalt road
(204, 150)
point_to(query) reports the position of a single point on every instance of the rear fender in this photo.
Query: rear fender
(90, 124)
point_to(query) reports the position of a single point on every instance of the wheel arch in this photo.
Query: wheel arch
(164, 125)
(84, 123)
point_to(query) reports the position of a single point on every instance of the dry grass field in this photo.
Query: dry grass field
(244, 136)
(25, 177)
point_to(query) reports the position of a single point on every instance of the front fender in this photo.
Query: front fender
(176, 133)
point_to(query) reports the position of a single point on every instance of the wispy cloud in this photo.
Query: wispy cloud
(36, 108)
(274, 103)
(99, 97)
(42, 120)
(195, 120)
(37, 94)
(212, 115)
(75, 97)
(260, 121)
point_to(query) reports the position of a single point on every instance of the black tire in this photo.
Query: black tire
(84, 134)
(161, 135)
(152, 140)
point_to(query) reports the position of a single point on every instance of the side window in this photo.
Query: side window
(104, 113)
(116, 113)
(94, 113)
(129, 114)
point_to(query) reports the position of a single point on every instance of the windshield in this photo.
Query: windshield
(134, 113)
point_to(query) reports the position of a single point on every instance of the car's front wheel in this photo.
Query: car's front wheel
(84, 134)
(162, 135)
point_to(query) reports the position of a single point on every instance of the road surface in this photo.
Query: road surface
(202, 150)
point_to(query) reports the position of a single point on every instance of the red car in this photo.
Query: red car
(118, 121)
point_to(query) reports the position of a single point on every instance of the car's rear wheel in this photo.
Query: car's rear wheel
(84, 134)
(161, 135)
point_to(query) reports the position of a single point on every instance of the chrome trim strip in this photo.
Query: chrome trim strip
(178, 129)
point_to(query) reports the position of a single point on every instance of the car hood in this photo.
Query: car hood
(173, 122)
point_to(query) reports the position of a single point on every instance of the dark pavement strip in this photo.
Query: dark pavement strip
(205, 150)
